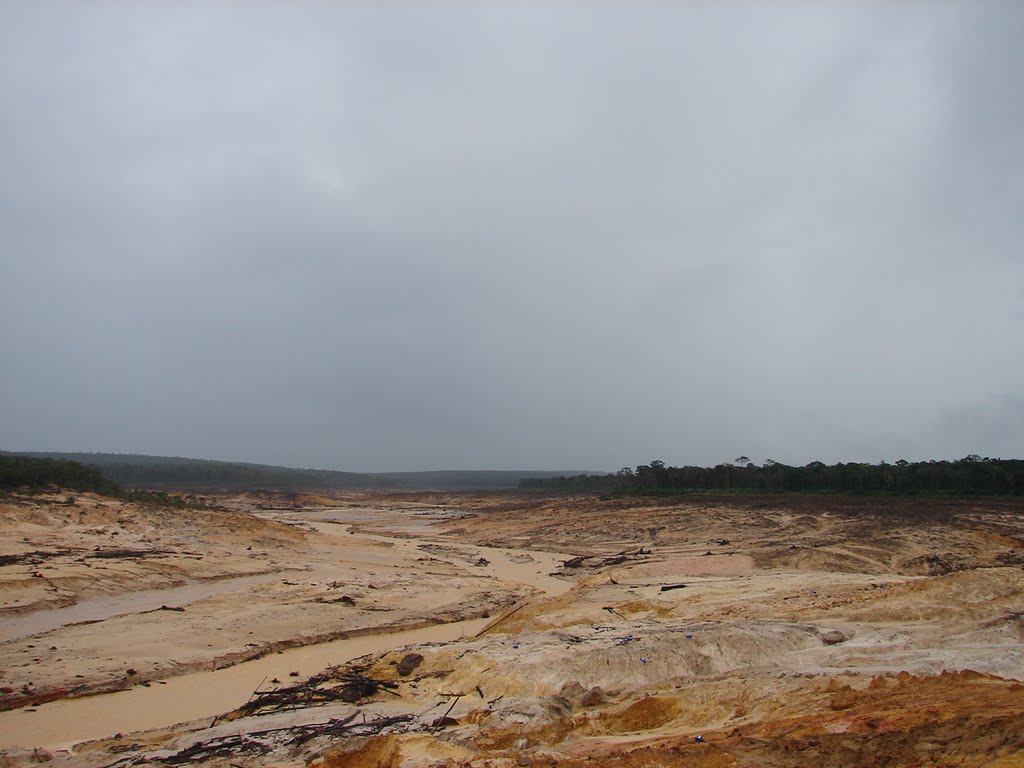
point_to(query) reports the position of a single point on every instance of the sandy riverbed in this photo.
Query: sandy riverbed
(391, 591)
(783, 631)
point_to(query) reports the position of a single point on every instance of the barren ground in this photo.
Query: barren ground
(489, 630)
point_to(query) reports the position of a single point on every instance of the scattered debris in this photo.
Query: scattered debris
(670, 587)
(261, 742)
(32, 558)
(128, 553)
(349, 686)
(343, 600)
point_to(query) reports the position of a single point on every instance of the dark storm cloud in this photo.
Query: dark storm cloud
(383, 236)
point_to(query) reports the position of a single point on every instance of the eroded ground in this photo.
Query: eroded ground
(725, 631)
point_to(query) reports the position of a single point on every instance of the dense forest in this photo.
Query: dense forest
(967, 476)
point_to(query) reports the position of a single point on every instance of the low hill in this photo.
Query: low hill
(466, 479)
(174, 472)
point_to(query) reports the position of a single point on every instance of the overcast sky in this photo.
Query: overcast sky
(400, 236)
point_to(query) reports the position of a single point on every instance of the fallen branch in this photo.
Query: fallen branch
(501, 620)
(444, 720)
(221, 747)
(353, 687)
(581, 561)
(128, 553)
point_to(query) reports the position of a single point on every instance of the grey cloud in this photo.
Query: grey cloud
(417, 236)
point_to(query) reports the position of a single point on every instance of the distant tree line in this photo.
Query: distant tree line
(179, 473)
(967, 476)
(66, 475)
(23, 471)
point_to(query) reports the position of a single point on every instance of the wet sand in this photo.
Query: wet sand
(100, 608)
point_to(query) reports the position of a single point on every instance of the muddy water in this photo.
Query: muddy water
(199, 695)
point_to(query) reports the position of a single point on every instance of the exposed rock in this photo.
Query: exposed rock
(572, 693)
(594, 697)
(408, 664)
(16, 757)
(532, 712)
(844, 698)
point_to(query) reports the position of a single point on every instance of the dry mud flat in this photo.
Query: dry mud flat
(709, 632)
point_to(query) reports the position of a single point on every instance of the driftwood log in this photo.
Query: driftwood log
(597, 561)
